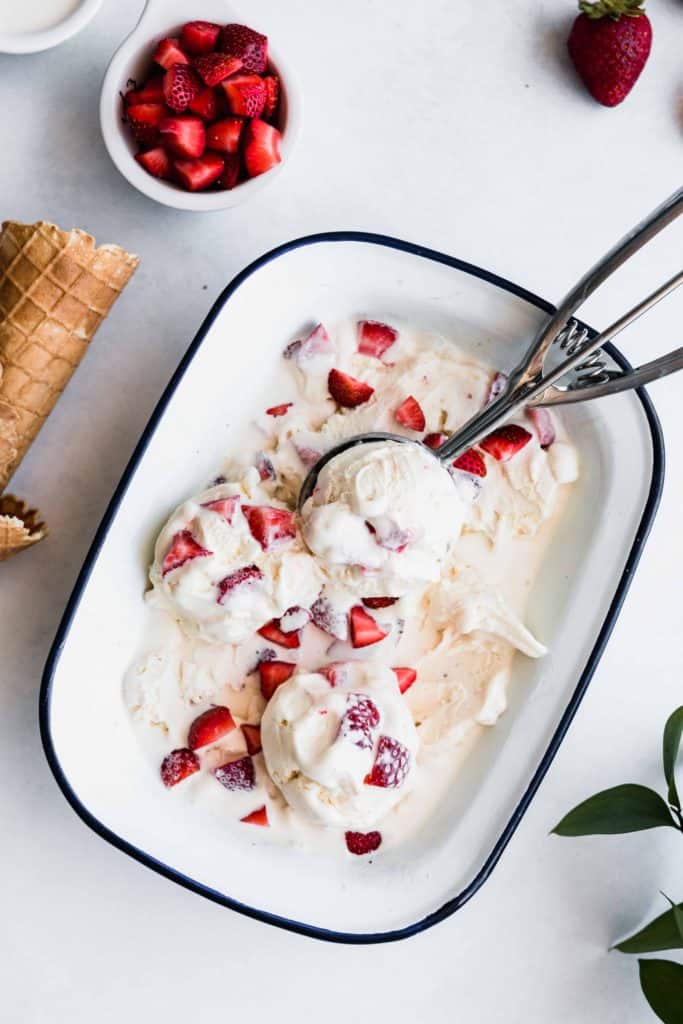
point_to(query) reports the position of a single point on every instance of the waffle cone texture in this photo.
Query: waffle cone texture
(56, 288)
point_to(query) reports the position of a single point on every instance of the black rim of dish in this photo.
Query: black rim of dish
(644, 527)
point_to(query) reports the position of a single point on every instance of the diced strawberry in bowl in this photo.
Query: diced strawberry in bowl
(198, 37)
(197, 174)
(156, 162)
(261, 147)
(224, 136)
(183, 136)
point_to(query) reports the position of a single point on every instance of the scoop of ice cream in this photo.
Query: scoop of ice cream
(383, 517)
(229, 560)
(343, 755)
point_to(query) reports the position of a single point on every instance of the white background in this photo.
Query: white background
(460, 126)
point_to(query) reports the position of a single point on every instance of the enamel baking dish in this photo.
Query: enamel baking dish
(104, 773)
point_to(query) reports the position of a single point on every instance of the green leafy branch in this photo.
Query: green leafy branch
(635, 808)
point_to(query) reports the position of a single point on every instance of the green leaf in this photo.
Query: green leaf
(673, 730)
(662, 985)
(678, 915)
(662, 933)
(628, 808)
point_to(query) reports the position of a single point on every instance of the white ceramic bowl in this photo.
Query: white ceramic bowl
(159, 19)
(89, 740)
(45, 39)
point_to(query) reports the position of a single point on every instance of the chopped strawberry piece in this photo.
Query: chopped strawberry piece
(406, 677)
(326, 617)
(195, 175)
(361, 843)
(240, 577)
(214, 67)
(252, 737)
(374, 338)
(317, 343)
(199, 36)
(392, 764)
(204, 105)
(506, 441)
(409, 414)
(472, 462)
(236, 775)
(543, 425)
(347, 391)
(181, 85)
(246, 94)
(279, 410)
(151, 92)
(261, 147)
(269, 525)
(168, 53)
(360, 721)
(336, 672)
(178, 765)
(225, 507)
(231, 171)
(379, 602)
(392, 537)
(247, 44)
(183, 549)
(273, 674)
(184, 136)
(144, 120)
(294, 618)
(309, 456)
(272, 84)
(271, 631)
(266, 470)
(257, 817)
(364, 629)
(224, 136)
(496, 387)
(209, 727)
(156, 162)
(434, 441)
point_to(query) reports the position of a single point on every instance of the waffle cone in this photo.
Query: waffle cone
(55, 290)
(20, 526)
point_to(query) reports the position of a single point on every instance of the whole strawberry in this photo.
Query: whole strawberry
(609, 44)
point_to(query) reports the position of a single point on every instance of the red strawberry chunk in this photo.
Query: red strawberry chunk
(347, 391)
(472, 462)
(266, 470)
(214, 67)
(309, 456)
(224, 136)
(379, 602)
(271, 631)
(273, 674)
(210, 727)
(279, 410)
(181, 85)
(204, 105)
(272, 84)
(409, 414)
(361, 843)
(392, 764)
(199, 36)
(434, 441)
(330, 619)
(240, 577)
(168, 53)
(183, 136)
(336, 673)
(406, 677)
(269, 525)
(506, 441)
(225, 507)
(257, 817)
(195, 175)
(317, 343)
(236, 775)
(360, 721)
(156, 162)
(144, 120)
(183, 549)
(543, 425)
(246, 94)
(178, 765)
(151, 92)
(374, 338)
(252, 737)
(231, 171)
(364, 630)
(261, 147)
(250, 46)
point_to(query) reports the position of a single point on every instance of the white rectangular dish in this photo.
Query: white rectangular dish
(588, 568)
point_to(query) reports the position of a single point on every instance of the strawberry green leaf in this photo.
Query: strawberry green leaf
(662, 933)
(673, 730)
(662, 985)
(628, 808)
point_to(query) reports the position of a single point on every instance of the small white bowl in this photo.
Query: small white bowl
(162, 18)
(45, 39)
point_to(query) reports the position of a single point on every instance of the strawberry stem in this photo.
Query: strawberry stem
(613, 9)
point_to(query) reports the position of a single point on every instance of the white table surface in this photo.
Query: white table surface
(461, 127)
